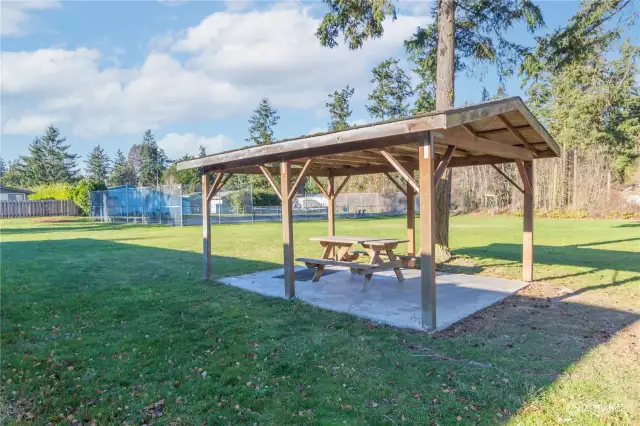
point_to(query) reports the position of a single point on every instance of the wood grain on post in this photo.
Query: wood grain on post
(527, 234)
(427, 234)
(411, 220)
(206, 228)
(287, 230)
(331, 205)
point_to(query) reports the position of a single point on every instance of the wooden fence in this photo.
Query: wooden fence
(34, 208)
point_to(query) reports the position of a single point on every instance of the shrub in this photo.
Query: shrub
(265, 198)
(55, 191)
(81, 194)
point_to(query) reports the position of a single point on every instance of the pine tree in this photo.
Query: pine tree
(485, 96)
(202, 151)
(122, 173)
(152, 160)
(13, 175)
(49, 161)
(501, 93)
(173, 176)
(461, 34)
(262, 122)
(3, 167)
(339, 109)
(133, 158)
(391, 92)
(591, 30)
(98, 165)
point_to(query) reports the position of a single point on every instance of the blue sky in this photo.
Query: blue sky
(104, 71)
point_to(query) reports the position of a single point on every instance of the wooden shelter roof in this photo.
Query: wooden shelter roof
(487, 133)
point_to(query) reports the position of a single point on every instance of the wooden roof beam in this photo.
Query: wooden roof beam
(396, 183)
(517, 134)
(460, 139)
(320, 187)
(271, 180)
(511, 181)
(526, 184)
(400, 169)
(444, 163)
(298, 182)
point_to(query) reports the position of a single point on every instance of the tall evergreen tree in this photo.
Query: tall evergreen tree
(389, 98)
(339, 109)
(463, 32)
(122, 172)
(98, 165)
(202, 151)
(262, 122)
(49, 160)
(3, 167)
(173, 176)
(133, 158)
(152, 161)
(593, 29)
(13, 175)
(485, 95)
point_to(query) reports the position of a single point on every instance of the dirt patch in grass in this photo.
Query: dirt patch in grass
(553, 310)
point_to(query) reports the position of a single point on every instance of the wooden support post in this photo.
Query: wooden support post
(287, 230)
(527, 234)
(411, 220)
(427, 233)
(331, 205)
(206, 227)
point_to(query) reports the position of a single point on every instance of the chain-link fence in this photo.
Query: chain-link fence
(181, 205)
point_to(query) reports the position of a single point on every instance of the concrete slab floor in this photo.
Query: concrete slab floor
(386, 300)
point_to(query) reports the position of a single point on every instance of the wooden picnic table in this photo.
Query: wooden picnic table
(336, 252)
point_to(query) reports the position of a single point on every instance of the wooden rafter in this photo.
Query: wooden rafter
(320, 187)
(444, 163)
(502, 130)
(517, 134)
(299, 179)
(396, 183)
(526, 184)
(511, 181)
(400, 169)
(271, 180)
(470, 130)
(465, 140)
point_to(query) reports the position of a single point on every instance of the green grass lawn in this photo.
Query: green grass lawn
(112, 324)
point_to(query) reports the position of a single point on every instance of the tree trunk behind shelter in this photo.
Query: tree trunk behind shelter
(444, 100)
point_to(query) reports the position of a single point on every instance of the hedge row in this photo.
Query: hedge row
(79, 193)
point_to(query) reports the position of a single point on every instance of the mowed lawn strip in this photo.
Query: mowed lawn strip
(112, 323)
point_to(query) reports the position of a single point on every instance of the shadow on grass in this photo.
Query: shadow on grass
(78, 226)
(126, 325)
(629, 225)
(582, 255)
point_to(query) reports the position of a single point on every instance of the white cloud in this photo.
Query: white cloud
(176, 145)
(16, 15)
(28, 124)
(217, 68)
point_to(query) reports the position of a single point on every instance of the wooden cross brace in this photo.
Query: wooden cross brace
(408, 176)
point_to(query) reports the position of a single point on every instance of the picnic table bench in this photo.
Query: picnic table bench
(336, 252)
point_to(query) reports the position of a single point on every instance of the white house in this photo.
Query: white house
(13, 194)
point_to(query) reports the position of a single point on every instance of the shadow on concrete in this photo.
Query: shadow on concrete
(88, 302)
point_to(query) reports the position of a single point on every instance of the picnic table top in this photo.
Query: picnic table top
(358, 240)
